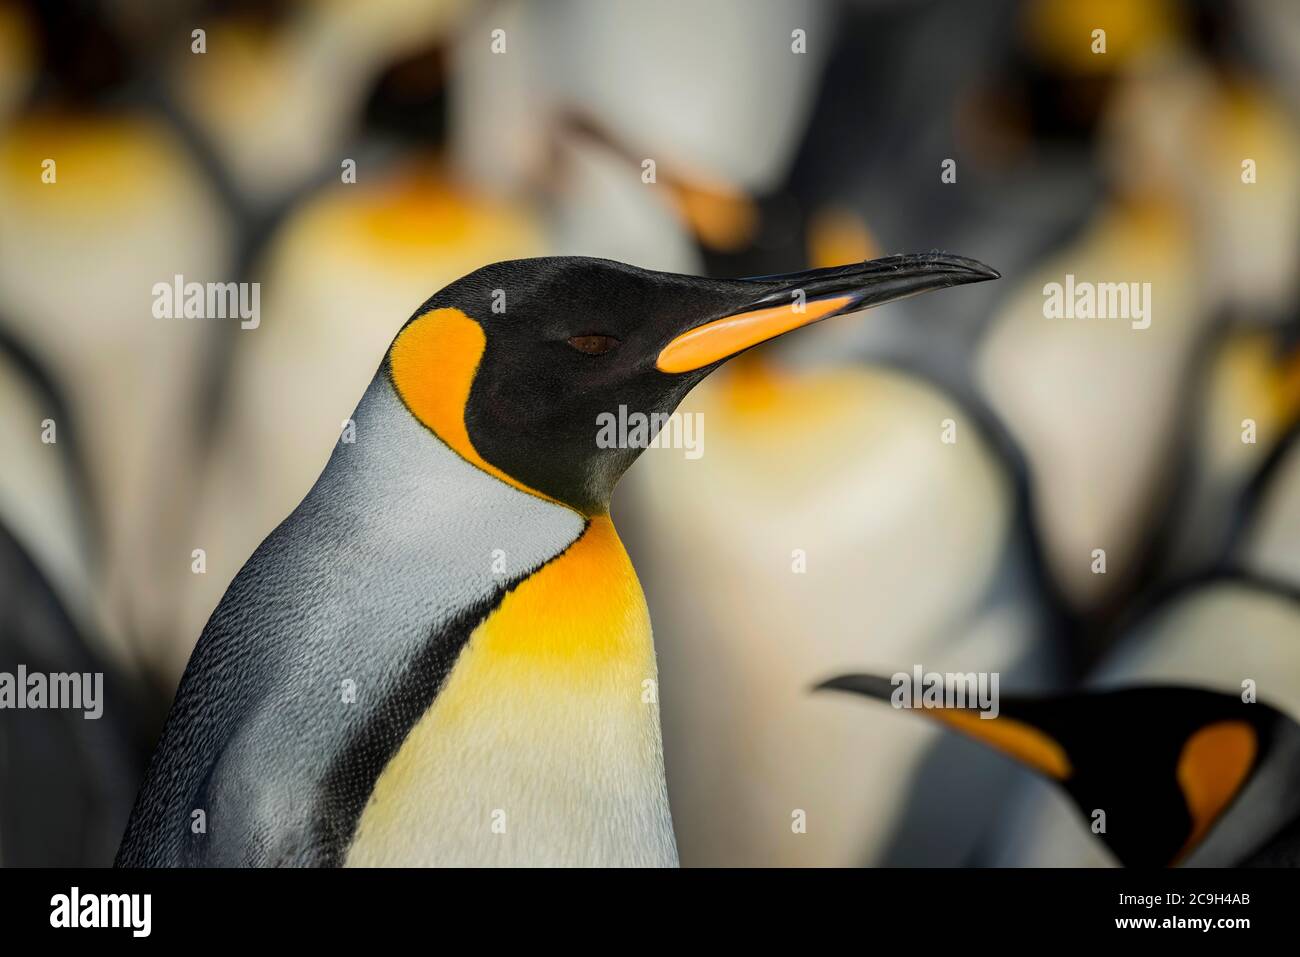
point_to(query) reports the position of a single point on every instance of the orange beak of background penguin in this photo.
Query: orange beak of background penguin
(812, 296)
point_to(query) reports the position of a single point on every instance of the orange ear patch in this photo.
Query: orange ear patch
(433, 362)
(1211, 769)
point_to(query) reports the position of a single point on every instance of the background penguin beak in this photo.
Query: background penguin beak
(1015, 737)
(790, 301)
(870, 686)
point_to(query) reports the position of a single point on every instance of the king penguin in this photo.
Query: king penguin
(443, 655)
(1165, 774)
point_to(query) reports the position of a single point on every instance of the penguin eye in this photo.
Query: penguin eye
(593, 345)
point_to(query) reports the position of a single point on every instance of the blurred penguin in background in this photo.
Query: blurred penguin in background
(1212, 600)
(394, 219)
(599, 107)
(1077, 387)
(1269, 546)
(102, 202)
(85, 186)
(68, 775)
(1242, 422)
(1242, 400)
(18, 57)
(929, 556)
(280, 84)
(1036, 206)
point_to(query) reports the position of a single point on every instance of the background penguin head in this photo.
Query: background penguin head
(1164, 764)
(515, 364)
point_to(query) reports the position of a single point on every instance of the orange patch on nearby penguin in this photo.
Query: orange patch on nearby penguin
(433, 362)
(102, 162)
(1211, 769)
(839, 235)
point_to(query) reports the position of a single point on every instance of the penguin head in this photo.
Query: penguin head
(516, 365)
(1162, 763)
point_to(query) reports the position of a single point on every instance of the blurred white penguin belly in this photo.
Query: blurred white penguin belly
(543, 746)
